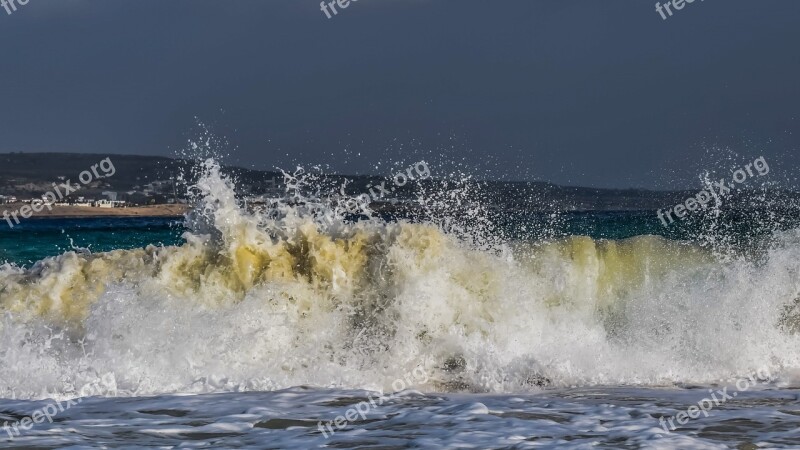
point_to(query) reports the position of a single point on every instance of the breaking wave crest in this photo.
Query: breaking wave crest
(300, 296)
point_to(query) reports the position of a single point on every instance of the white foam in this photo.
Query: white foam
(257, 302)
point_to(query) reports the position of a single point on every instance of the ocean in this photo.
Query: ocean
(459, 325)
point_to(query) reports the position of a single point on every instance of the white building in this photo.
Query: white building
(110, 203)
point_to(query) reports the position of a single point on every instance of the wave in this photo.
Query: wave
(301, 296)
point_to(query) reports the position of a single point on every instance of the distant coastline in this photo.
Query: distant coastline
(149, 185)
(71, 211)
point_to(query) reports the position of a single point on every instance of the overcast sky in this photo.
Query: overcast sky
(583, 92)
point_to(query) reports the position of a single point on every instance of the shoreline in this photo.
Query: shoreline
(78, 212)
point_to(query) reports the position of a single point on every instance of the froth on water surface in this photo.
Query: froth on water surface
(301, 295)
(293, 418)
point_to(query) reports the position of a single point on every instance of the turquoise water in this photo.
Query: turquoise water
(33, 240)
(36, 239)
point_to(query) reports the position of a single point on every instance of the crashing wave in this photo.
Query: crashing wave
(267, 300)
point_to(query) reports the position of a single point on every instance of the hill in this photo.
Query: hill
(149, 180)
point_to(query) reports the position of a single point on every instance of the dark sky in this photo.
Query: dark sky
(584, 92)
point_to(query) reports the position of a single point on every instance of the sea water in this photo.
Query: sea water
(241, 328)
